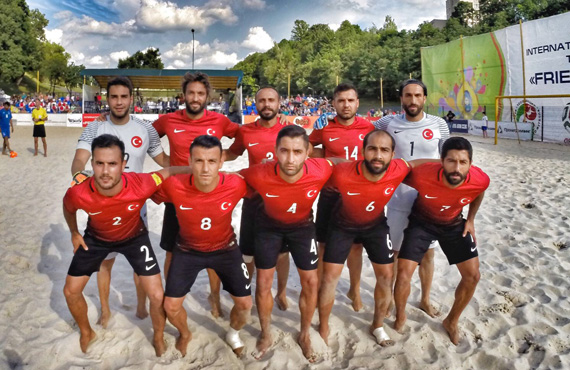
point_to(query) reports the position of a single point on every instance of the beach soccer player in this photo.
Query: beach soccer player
(204, 201)
(112, 198)
(443, 190)
(39, 117)
(6, 127)
(140, 139)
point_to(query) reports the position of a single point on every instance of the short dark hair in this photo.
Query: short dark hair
(457, 143)
(292, 131)
(108, 141)
(374, 132)
(6, 103)
(344, 87)
(120, 81)
(267, 87)
(206, 141)
(190, 77)
(412, 81)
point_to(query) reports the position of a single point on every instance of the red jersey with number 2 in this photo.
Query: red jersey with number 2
(181, 131)
(118, 217)
(289, 204)
(259, 141)
(205, 218)
(436, 202)
(340, 141)
(363, 201)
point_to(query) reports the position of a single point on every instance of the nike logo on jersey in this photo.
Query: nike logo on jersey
(185, 208)
(149, 267)
(177, 131)
(271, 195)
(252, 144)
(247, 286)
(333, 139)
(397, 131)
(390, 255)
(473, 249)
(428, 197)
(314, 261)
(94, 213)
(349, 193)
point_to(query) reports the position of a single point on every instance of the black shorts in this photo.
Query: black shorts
(247, 225)
(39, 131)
(419, 235)
(227, 263)
(484, 128)
(375, 239)
(137, 251)
(170, 228)
(327, 202)
(300, 240)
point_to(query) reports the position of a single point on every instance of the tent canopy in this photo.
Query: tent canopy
(165, 79)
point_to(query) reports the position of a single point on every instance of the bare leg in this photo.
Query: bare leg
(394, 273)
(73, 291)
(239, 315)
(104, 286)
(354, 263)
(329, 281)
(406, 269)
(250, 269)
(426, 279)
(177, 316)
(307, 306)
(321, 253)
(35, 146)
(45, 146)
(282, 275)
(264, 303)
(152, 286)
(141, 298)
(214, 297)
(470, 276)
(382, 298)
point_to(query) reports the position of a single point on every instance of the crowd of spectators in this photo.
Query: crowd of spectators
(301, 105)
(52, 103)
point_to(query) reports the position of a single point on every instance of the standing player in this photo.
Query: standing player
(443, 190)
(289, 189)
(112, 199)
(484, 124)
(5, 126)
(258, 139)
(204, 202)
(341, 138)
(417, 135)
(181, 128)
(140, 138)
(39, 116)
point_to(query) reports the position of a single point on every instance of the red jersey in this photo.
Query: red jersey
(289, 204)
(362, 201)
(205, 218)
(181, 131)
(436, 202)
(259, 141)
(115, 218)
(342, 141)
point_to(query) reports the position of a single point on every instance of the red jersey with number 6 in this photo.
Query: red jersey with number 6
(436, 202)
(181, 131)
(340, 141)
(362, 201)
(205, 218)
(259, 141)
(115, 218)
(289, 204)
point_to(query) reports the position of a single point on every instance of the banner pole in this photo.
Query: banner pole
(496, 118)
(523, 69)
(462, 70)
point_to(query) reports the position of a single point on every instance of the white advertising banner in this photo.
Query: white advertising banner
(74, 120)
(506, 130)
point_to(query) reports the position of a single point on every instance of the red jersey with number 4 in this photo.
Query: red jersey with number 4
(118, 217)
(289, 204)
(259, 141)
(205, 218)
(341, 141)
(436, 202)
(363, 201)
(181, 131)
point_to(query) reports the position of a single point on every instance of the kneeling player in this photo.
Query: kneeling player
(113, 200)
(443, 190)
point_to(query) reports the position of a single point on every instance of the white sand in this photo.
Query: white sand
(519, 317)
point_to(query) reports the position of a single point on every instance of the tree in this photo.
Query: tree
(464, 13)
(139, 60)
(54, 63)
(300, 30)
(71, 76)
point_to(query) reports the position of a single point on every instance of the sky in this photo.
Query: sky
(97, 33)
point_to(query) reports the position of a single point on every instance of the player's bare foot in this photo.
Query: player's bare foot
(104, 318)
(216, 305)
(263, 344)
(305, 344)
(452, 330)
(381, 336)
(86, 340)
(356, 300)
(35, 154)
(159, 345)
(390, 309)
(281, 302)
(324, 331)
(45, 154)
(399, 323)
(142, 313)
(430, 309)
(182, 343)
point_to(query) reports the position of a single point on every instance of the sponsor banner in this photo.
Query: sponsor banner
(74, 120)
(89, 117)
(304, 121)
(25, 119)
(459, 125)
(506, 130)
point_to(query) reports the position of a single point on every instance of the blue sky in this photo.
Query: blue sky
(98, 32)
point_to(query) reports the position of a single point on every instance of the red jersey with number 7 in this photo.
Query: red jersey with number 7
(205, 218)
(259, 141)
(115, 218)
(362, 201)
(340, 141)
(289, 204)
(181, 131)
(436, 202)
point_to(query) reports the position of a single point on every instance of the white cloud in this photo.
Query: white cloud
(54, 35)
(73, 27)
(258, 39)
(218, 59)
(254, 4)
(116, 55)
(77, 58)
(334, 26)
(98, 61)
(179, 64)
(205, 55)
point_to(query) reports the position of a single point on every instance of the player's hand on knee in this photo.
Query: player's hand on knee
(80, 176)
(469, 228)
(77, 241)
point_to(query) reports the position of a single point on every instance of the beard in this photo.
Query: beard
(375, 170)
(291, 171)
(195, 111)
(452, 181)
(114, 114)
(418, 110)
(268, 114)
(107, 187)
(346, 116)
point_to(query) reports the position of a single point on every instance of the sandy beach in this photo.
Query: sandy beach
(519, 317)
